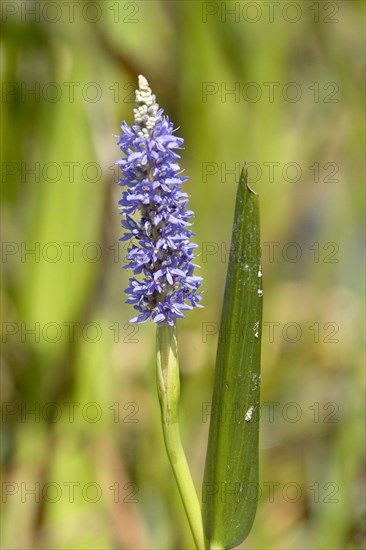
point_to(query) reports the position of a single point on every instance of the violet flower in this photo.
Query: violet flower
(161, 251)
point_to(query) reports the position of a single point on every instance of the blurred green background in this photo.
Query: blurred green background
(280, 85)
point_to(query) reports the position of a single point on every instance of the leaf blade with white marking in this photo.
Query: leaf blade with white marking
(230, 487)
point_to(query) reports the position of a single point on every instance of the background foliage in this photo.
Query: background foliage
(92, 451)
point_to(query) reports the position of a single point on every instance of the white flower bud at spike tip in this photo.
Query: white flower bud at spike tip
(146, 110)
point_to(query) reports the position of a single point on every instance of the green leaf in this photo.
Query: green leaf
(230, 488)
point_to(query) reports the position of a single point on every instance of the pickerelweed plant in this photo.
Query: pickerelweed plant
(163, 286)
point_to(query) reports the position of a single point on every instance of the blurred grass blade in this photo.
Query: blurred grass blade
(230, 487)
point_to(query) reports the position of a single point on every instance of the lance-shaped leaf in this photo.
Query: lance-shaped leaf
(230, 488)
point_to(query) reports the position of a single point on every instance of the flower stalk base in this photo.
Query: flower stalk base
(168, 390)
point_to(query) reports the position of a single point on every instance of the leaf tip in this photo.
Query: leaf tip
(245, 178)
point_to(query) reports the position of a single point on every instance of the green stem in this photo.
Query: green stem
(168, 391)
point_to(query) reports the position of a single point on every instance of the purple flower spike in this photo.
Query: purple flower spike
(160, 251)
